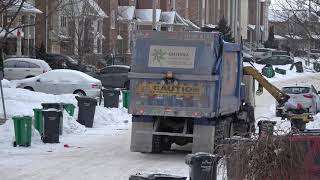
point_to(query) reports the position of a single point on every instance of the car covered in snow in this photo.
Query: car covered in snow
(303, 99)
(63, 81)
(21, 68)
(276, 60)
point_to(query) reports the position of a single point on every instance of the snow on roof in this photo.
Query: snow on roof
(25, 7)
(253, 27)
(97, 8)
(126, 12)
(279, 37)
(293, 37)
(145, 15)
(12, 33)
(168, 17)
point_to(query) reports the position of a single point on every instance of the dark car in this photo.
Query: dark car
(60, 61)
(276, 60)
(114, 76)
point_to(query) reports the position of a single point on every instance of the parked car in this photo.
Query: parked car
(21, 68)
(273, 53)
(60, 61)
(63, 81)
(276, 60)
(303, 99)
(259, 52)
(315, 53)
(247, 57)
(114, 76)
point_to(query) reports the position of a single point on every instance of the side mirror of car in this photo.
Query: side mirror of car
(318, 92)
(38, 80)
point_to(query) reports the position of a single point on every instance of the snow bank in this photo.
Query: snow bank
(21, 102)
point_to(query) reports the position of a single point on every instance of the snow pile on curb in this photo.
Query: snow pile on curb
(71, 126)
(111, 117)
(315, 124)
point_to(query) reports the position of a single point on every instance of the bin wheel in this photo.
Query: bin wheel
(28, 144)
(14, 144)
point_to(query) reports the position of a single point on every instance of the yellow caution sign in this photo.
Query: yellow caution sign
(183, 90)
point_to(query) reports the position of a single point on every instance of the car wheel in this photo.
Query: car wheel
(29, 88)
(79, 93)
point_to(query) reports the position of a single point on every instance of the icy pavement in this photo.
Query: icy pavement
(102, 152)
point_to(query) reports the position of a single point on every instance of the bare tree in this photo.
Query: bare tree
(84, 19)
(301, 18)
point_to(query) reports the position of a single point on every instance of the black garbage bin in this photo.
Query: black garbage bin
(51, 125)
(266, 128)
(58, 106)
(111, 98)
(299, 67)
(156, 177)
(87, 108)
(203, 166)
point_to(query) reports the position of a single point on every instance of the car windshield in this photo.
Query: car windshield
(296, 90)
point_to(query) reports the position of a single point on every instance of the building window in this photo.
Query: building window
(63, 21)
(113, 19)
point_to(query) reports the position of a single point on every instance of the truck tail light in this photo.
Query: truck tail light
(310, 96)
(141, 111)
(167, 110)
(196, 114)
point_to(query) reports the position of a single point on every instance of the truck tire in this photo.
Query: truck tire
(156, 144)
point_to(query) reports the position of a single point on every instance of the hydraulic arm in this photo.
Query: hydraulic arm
(280, 96)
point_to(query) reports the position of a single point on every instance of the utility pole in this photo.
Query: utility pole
(257, 28)
(46, 28)
(154, 15)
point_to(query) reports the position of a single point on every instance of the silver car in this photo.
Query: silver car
(21, 68)
(63, 81)
(303, 99)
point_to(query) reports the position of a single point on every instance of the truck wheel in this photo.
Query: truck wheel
(156, 144)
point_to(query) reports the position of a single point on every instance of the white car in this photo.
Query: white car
(63, 81)
(303, 99)
(21, 68)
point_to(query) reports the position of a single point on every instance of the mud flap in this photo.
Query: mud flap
(203, 136)
(141, 134)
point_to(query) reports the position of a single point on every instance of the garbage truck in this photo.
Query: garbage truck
(188, 87)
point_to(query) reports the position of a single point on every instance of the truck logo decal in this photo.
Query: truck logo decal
(158, 55)
(172, 57)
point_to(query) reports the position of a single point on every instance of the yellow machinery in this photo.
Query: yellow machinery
(297, 120)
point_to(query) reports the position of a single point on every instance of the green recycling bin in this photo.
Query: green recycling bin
(125, 98)
(22, 130)
(316, 66)
(69, 108)
(268, 71)
(38, 120)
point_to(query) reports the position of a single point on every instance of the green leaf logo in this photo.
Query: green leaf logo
(158, 55)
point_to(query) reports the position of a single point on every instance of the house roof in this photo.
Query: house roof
(25, 7)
